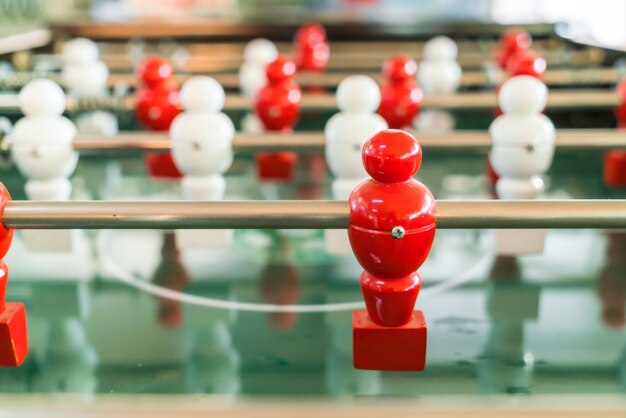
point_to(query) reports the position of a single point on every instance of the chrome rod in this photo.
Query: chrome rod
(559, 99)
(590, 139)
(304, 214)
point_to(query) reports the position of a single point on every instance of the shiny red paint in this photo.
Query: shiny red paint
(375, 347)
(526, 62)
(13, 327)
(401, 97)
(6, 234)
(511, 42)
(311, 50)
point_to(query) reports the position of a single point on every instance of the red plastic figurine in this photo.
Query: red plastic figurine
(392, 227)
(615, 161)
(401, 97)
(13, 329)
(311, 49)
(278, 106)
(526, 62)
(158, 103)
(511, 42)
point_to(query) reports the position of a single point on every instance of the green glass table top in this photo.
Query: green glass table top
(551, 323)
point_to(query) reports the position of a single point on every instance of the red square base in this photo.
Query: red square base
(13, 335)
(277, 166)
(389, 348)
(162, 165)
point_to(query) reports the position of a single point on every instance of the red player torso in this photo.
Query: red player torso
(375, 209)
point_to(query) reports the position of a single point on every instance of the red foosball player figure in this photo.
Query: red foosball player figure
(400, 96)
(158, 103)
(311, 49)
(615, 161)
(13, 329)
(392, 227)
(511, 42)
(278, 106)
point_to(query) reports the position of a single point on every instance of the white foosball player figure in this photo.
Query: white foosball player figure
(522, 150)
(85, 76)
(438, 73)
(358, 98)
(43, 152)
(257, 54)
(202, 138)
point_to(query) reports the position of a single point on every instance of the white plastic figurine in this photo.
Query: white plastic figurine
(438, 73)
(85, 76)
(522, 150)
(43, 152)
(358, 98)
(257, 54)
(202, 138)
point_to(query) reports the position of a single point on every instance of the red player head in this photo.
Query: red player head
(392, 156)
(511, 42)
(392, 216)
(526, 62)
(154, 71)
(281, 69)
(400, 68)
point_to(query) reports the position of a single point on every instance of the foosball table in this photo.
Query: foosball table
(284, 215)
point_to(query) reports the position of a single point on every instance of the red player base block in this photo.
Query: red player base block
(13, 335)
(389, 348)
(278, 166)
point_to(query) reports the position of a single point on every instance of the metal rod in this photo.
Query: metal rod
(552, 78)
(571, 139)
(560, 99)
(480, 214)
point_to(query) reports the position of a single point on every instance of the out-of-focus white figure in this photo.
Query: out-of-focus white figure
(202, 138)
(85, 76)
(358, 98)
(42, 149)
(522, 150)
(438, 73)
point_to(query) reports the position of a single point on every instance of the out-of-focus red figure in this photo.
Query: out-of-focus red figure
(13, 329)
(400, 96)
(392, 228)
(511, 42)
(311, 49)
(278, 106)
(158, 103)
(615, 161)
